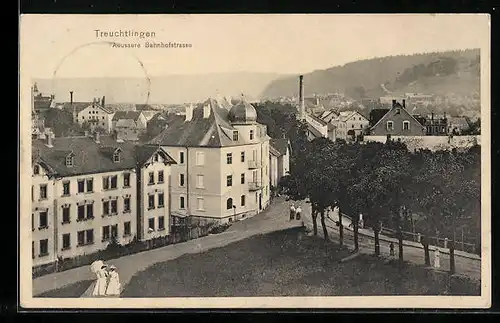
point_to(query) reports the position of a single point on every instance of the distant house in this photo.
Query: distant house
(349, 125)
(279, 160)
(157, 124)
(316, 126)
(129, 125)
(95, 114)
(398, 122)
(329, 115)
(457, 125)
(41, 102)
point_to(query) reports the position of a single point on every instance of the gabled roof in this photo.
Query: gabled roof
(322, 122)
(314, 132)
(96, 105)
(144, 153)
(213, 131)
(126, 123)
(78, 106)
(89, 156)
(280, 145)
(399, 106)
(132, 115)
(330, 127)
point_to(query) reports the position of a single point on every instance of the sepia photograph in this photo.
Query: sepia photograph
(255, 161)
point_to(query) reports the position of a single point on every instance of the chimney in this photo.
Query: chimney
(301, 98)
(71, 98)
(206, 110)
(103, 101)
(189, 112)
(404, 103)
(432, 116)
(97, 137)
(49, 137)
(393, 102)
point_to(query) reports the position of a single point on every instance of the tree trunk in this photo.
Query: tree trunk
(452, 247)
(341, 230)
(376, 229)
(400, 241)
(356, 237)
(323, 224)
(315, 223)
(425, 243)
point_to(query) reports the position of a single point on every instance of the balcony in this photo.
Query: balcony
(254, 186)
(253, 164)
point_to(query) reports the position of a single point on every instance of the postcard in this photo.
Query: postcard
(255, 161)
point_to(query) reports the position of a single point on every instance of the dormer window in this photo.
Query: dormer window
(69, 161)
(235, 136)
(398, 110)
(116, 157)
(36, 170)
(251, 134)
(156, 158)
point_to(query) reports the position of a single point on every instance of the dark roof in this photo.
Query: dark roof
(89, 156)
(133, 115)
(78, 106)
(42, 102)
(199, 131)
(315, 132)
(322, 122)
(143, 153)
(330, 126)
(376, 115)
(243, 112)
(280, 145)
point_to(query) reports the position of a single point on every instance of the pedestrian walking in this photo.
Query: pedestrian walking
(298, 213)
(292, 212)
(391, 249)
(101, 282)
(114, 286)
(437, 255)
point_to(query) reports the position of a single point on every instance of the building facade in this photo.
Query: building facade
(85, 193)
(96, 115)
(279, 160)
(222, 155)
(398, 122)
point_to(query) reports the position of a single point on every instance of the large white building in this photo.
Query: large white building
(87, 191)
(222, 155)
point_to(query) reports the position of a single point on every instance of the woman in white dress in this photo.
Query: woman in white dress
(437, 253)
(102, 279)
(114, 285)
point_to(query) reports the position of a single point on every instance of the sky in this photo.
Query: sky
(66, 46)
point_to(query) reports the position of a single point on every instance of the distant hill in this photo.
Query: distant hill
(162, 90)
(438, 73)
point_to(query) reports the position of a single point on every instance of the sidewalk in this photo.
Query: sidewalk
(465, 263)
(274, 218)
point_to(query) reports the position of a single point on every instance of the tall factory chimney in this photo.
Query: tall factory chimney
(302, 115)
(71, 106)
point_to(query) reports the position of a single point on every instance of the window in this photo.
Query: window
(90, 185)
(114, 231)
(200, 158)
(161, 200)
(114, 182)
(65, 188)
(181, 157)
(242, 200)
(151, 223)
(156, 158)
(160, 176)
(81, 238)
(251, 134)
(105, 233)
(105, 183)
(44, 247)
(116, 157)
(36, 170)
(235, 135)
(126, 229)
(151, 202)
(242, 157)
(32, 222)
(126, 204)
(114, 206)
(66, 215)
(181, 202)
(66, 241)
(181, 180)
(43, 220)
(33, 249)
(229, 203)
(352, 126)
(81, 186)
(32, 193)
(81, 212)
(43, 191)
(69, 161)
(229, 158)
(229, 180)
(90, 236)
(200, 203)
(200, 181)
(151, 178)
(126, 180)
(242, 178)
(406, 125)
(161, 223)
(390, 125)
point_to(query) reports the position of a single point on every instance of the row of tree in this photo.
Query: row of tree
(386, 183)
